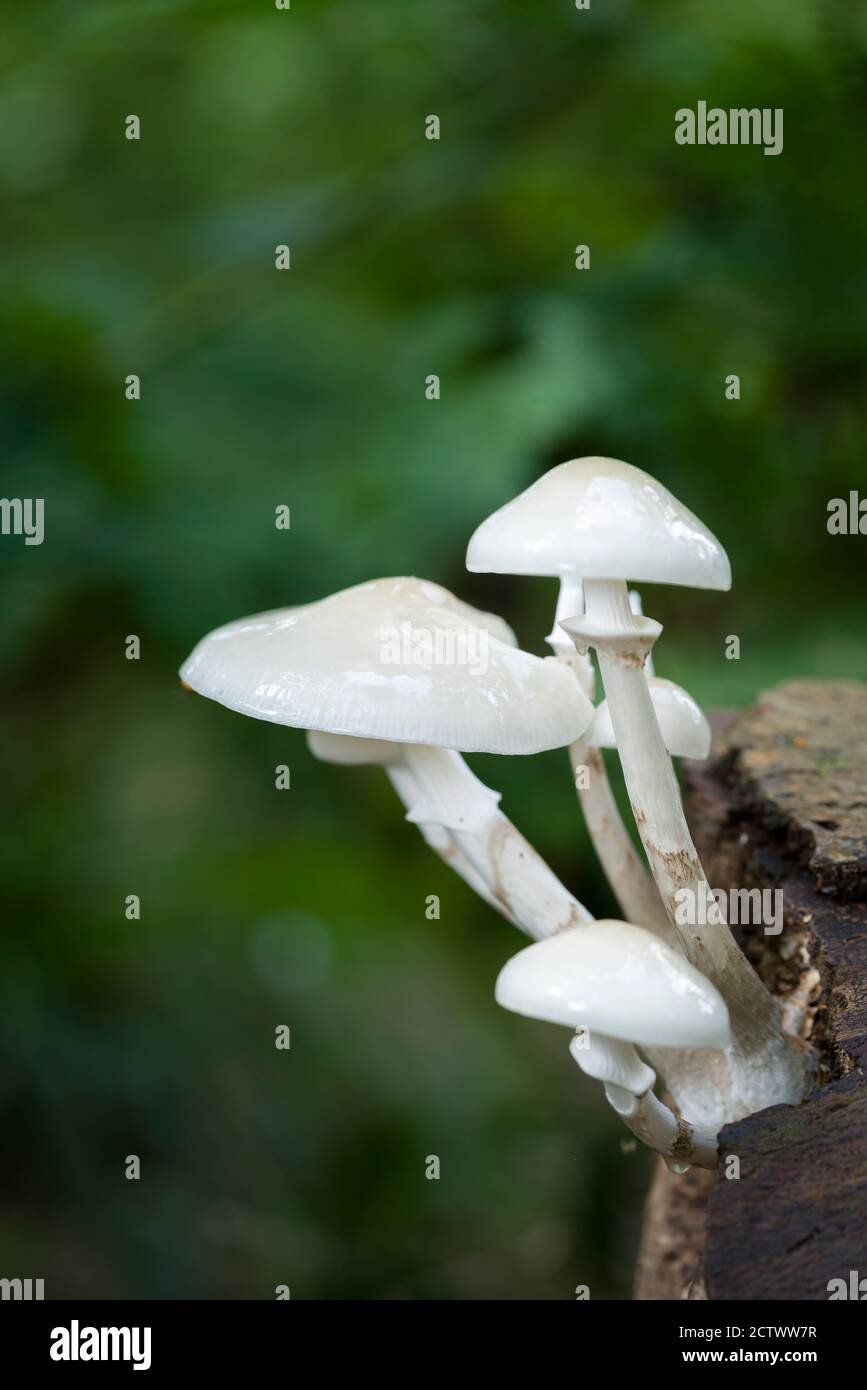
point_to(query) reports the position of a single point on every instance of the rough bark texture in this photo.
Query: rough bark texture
(672, 1241)
(782, 803)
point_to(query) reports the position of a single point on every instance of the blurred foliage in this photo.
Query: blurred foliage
(306, 387)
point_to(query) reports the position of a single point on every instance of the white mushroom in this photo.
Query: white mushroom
(620, 986)
(628, 1081)
(365, 660)
(291, 666)
(682, 723)
(686, 733)
(616, 979)
(606, 522)
(627, 875)
(404, 661)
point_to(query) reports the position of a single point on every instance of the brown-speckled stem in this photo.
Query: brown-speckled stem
(764, 1066)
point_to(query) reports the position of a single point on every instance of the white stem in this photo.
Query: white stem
(627, 876)
(690, 1076)
(764, 1066)
(570, 600)
(681, 1144)
(629, 1086)
(446, 799)
(637, 607)
(517, 878)
(439, 839)
(630, 882)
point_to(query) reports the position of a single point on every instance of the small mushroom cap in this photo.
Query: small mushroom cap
(684, 728)
(400, 660)
(619, 980)
(600, 518)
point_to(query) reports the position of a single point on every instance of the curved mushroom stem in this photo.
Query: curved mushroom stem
(764, 1066)
(439, 839)
(690, 1076)
(630, 882)
(682, 1145)
(446, 798)
(518, 881)
(629, 1086)
(627, 876)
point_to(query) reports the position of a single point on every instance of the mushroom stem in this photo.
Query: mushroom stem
(688, 1075)
(627, 876)
(518, 880)
(681, 1144)
(630, 882)
(637, 606)
(439, 839)
(570, 600)
(629, 1086)
(460, 819)
(765, 1067)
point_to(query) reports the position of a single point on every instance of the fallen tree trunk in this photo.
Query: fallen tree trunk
(782, 804)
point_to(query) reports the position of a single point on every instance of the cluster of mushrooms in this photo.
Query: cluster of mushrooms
(684, 994)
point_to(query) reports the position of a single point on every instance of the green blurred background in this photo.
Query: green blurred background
(306, 388)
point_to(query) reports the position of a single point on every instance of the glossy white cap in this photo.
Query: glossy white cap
(685, 730)
(599, 518)
(401, 660)
(619, 980)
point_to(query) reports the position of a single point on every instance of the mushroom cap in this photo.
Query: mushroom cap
(684, 728)
(619, 980)
(345, 750)
(400, 660)
(601, 519)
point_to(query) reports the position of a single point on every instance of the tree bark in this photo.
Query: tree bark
(782, 804)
